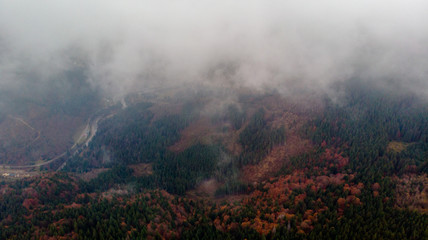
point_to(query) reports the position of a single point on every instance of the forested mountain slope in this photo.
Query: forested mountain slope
(263, 166)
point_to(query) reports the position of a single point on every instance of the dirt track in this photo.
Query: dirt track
(86, 136)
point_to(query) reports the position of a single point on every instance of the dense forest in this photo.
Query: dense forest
(258, 139)
(366, 125)
(349, 185)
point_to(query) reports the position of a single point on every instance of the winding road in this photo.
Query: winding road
(86, 136)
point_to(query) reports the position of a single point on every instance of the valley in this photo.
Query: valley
(261, 166)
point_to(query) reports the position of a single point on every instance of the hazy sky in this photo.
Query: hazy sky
(281, 44)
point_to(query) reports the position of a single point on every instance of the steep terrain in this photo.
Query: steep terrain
(259, 166)
(40, 120)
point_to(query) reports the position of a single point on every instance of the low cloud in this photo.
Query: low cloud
(284, 45)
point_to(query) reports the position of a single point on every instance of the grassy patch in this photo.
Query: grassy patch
(397, 147)
(142, 169)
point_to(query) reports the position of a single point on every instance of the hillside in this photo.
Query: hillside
(257, 166)
(213, 120)
(44, 118)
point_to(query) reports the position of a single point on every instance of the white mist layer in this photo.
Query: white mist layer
(284, 45)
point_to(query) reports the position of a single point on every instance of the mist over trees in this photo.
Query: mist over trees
(243, 119)
(288, 46)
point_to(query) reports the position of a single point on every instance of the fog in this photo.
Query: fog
(289, 46)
